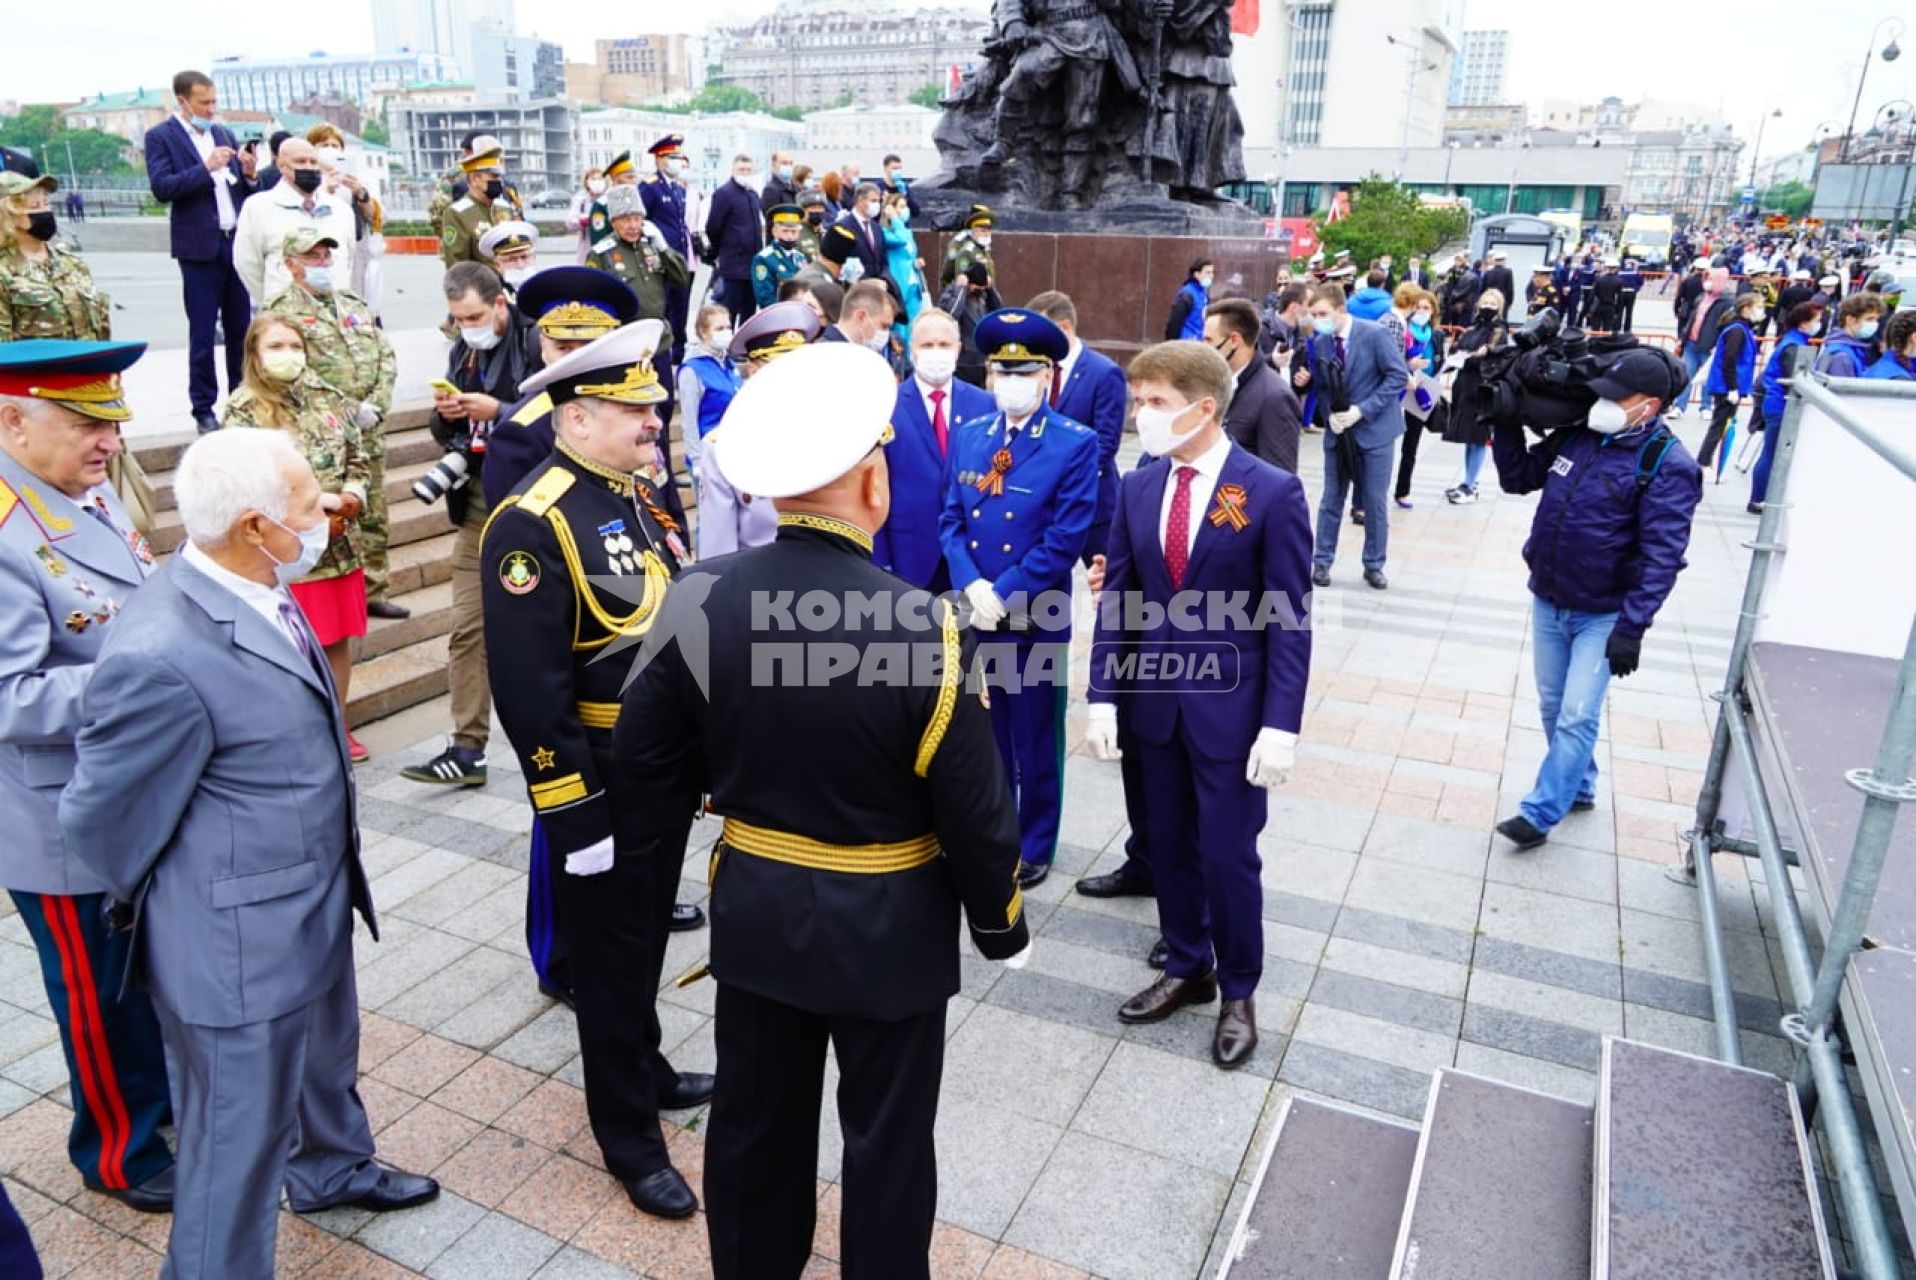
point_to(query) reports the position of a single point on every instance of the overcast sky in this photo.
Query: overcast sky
(1749, 57)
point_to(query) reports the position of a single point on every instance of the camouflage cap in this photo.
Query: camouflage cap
(304, 240)
(18, 184)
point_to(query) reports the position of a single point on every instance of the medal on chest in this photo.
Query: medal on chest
(621, 554)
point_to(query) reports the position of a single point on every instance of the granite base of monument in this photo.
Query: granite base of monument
(1123, 285)
(1126, 206)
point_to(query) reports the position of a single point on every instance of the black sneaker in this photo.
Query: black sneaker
(1583, 804)
(1521, 833)
(449, 768)
(1320, 576)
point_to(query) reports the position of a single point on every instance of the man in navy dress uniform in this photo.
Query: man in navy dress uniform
(1019, 501)
(1204, 523)
(665, 195)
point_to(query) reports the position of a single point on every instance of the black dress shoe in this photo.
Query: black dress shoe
(1033, 874)
(561, 994)
(686, 917)
(155, 1195)
(1166, 996)
(396, 1189)
(1160, 955)
(1236, 1033)
(1376, 578)
(1583, 804)
(1115, 884)
(1357, 517)
(1320, 577)
(387, 609)
(663, 1194)
(694, 1089)
(1521, 832)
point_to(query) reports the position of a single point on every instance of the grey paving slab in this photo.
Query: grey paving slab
(1057, 1000)
(456, 892)
(496, 1248)
(1189, 1033)
(501, 1012)
(576, 1264)
(419, 1235)
(1541, 964)
(1405, 1006)
(1382, 1086)
(42, 1071)
(13, 1097)
(1558, 868)
(988, 1159)
(1119, 1212)
(1570, 925)
(1530, 1073)
(1174, 1106)
(1318, 822)
(1436, 845)
(456, 987)
(1533, 1037)
(1602, 1014)
(1674, 948)
(1024, 1063)
(23, 1033)
(1415, 893)
(1071, 923)
(1401, 968)
(544, 1044)
(1299, 911)
(1685, 996)
(1367, 1037)
(1117, 975)
(1306, 871)
(1399, 934)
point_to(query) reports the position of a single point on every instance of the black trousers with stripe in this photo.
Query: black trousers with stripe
(115, 1060)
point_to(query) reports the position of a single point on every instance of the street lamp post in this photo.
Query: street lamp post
(1757, 150)
(1891, 52)
(1417, 64)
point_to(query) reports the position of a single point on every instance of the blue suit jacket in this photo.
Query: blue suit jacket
(180, 181)
(1095, 395)
(1025, 540)
(1265, 665)
(1375, 375)
(908, 543)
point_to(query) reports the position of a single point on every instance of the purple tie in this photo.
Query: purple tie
(303, 639)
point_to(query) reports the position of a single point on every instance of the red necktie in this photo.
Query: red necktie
(938, 427)
(1177, 530)
(1057, 383)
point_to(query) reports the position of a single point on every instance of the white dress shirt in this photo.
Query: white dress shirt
(257, 596)
(223, 181)
(1209, 464)
(1066, 365)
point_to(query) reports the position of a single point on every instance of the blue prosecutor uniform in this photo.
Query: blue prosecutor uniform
(1095, 394)
(665, 201)
(908, 544)
(1018, 506)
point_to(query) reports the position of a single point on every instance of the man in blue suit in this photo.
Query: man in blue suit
(1204, 523)
(931, 404)
(1088, 388)
(196, 167)
(1022, 488)
(1374, 377)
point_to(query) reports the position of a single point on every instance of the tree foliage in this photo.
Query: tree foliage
(927, 95)
(1793, 199)
(375, 131)
(38, 131)
(1387, 218)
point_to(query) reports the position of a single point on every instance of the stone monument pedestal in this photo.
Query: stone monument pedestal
(1123, 284)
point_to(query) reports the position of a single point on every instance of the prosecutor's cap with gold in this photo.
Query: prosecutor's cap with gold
(577, 304)
(767, 450)
(617, 367)
(1015, 340)
(81, 376)
(780, 328)
(508, 237)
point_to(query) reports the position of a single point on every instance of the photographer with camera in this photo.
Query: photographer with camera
(1606, 545)
(498, 348)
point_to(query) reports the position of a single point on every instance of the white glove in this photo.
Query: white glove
(1020, 960)
(1735, 398)
(1101, 735)
(1344, 419)
(987, 610)
(1272, 755)
(593, 859)
(367, 418)
(655, 237)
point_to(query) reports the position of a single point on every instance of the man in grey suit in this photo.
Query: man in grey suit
(69, 559)
(1375, 376)
(213, 795)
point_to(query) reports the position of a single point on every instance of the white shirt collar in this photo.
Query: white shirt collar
(257, 596)
(1210, 463)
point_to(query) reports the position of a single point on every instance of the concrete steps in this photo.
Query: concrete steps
(1685, 1167)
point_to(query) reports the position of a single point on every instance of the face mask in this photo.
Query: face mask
(285, 366)
(319, 279)
(983, 242)
(495, 187)
(676, 167)
(1158, 433)
(1204, 282)
(198, 123)
(306, 180)
(937, 365)
(596, 186)
(871, 209)
(880, 341)
(312, 545)
(1867, 330)
(482, 338)
(1607, 418)
(40, 224)
(743, 179)
(329, 157)
(516, 276)
(718, 340)
(1017, 394)
(1420, 319)
(815, 217)
(784, 173)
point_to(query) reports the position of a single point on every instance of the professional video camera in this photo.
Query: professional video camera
(454, 469)
(1541, 378)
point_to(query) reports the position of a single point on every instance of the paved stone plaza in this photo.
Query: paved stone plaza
(1401, 937)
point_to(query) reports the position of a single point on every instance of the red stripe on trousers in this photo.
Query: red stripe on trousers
(97, 1079)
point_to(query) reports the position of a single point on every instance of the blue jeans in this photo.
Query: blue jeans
(1760, 474)
(1474, 463)
(1572, 674)
(1694, 358)
(1372, 496)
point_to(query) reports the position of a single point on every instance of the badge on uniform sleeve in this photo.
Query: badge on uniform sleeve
(1561, 467)
(1228, 507)
(543, 758)
(519, 573)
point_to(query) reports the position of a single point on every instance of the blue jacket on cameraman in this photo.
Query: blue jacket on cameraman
(1614, 522)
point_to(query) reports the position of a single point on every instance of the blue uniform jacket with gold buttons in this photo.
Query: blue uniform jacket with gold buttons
(665, 209)
(1017, 515)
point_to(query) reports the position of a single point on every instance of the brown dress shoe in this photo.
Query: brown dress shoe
(1236, 1033)
(1166, 996)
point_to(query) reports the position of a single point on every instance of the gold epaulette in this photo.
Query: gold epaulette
(8, 501)
(948, 682)
(534, 409)
(546, 491)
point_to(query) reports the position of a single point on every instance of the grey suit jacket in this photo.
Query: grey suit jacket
(64, 577)
(213, 791)
(1375, 373)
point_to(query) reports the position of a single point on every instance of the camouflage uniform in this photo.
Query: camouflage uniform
(325, 435)
(646, 268)
(352, 355)
(963, 252)
(451, 184)
(51, 299)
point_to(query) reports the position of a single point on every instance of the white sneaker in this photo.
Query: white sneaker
(1462, 495)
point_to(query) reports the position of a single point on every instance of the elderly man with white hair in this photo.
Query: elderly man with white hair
(213, 793)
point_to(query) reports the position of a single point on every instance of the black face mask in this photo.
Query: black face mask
(306, 180)
(494, 188)
(40, 224)
(816, 219)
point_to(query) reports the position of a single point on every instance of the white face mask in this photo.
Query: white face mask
(982, 241)
(483, 338)
(516, 276)
(937, 365)
(596, 186)
(319, 279)
(880, 341)
(285, 366)
(312, 545)
(329, 157)
(871, 209)
(1204, 281)
(1158, 433)
(743, 179)
(1608, 418)
(1017, 394)
(719, 340)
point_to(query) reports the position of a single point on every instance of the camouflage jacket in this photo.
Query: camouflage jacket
(647, 269)
(324, 433)
(962, 252)
(51, 299)
(343, 346)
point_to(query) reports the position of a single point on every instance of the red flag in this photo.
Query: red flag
(1244, 17)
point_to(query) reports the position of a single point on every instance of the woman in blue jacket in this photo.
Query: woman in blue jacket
(1899, 350)
(1732, 375)
(1187, 309)
(1804, 319)
(902, 263)
(707, 381)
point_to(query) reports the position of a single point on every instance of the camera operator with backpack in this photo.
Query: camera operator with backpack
(1605, 548)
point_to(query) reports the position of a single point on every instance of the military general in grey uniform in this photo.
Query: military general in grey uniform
(69, 560)
(213, 793)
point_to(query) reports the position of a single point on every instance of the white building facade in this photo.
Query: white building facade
(270, 84)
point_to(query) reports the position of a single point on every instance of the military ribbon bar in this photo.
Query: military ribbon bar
(993, 481)
(1228, 508)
